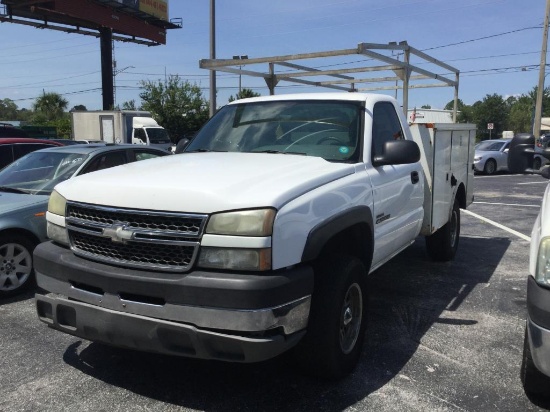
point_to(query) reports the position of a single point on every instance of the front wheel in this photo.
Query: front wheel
(490, 167)
(16, 270)
(336, 329)
(443, 244)
(534, 381)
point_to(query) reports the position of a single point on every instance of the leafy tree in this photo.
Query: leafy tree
(521, 114)
(8, 110)
(177, 105)
(243, 94)
(129, 105)
(545, 100)
(49, 107)
(79, 107)
(492, 109)
(465, 112)
(63, 126)
(24, 114)
(425, 106)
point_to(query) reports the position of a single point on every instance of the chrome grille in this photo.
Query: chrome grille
(161, 255)
(135, 238)
(185, 224)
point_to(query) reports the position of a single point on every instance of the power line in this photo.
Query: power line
(483, 38)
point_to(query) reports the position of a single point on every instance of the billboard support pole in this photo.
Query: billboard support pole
(106, 41)
(212, 56)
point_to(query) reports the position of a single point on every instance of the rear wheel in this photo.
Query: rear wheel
(16, 269)
(443, 244)
(336, 329)
(536, 163)
(534, 381)
(490, 167)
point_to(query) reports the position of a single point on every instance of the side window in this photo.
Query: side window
(105, 161)
(6, 155)
(140, 134)
(385, 126)
(143, 155)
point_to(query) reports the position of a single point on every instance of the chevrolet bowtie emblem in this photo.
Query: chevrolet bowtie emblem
(118, 233)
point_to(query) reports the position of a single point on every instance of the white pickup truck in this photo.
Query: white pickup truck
(535, 366)
(258, 238)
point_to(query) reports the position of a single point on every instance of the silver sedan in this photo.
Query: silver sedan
(491, 156)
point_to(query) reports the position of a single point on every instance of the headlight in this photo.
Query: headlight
(57, 204)
(242, 223)
(477, 158)
(542, 272)
(235, 259)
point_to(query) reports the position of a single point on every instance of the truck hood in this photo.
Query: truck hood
(205, 182)
(544, 214)
(15, 201)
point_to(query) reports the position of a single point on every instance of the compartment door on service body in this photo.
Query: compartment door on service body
(398, 190)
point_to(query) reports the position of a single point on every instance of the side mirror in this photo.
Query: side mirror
(182, 144)
(398, 152)
(521, 153)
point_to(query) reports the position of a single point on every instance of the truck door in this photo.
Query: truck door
(139, 136)
(398, 190)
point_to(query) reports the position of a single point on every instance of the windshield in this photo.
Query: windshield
(38, 172)
(490, 146)
(327, 129)
(157, 134)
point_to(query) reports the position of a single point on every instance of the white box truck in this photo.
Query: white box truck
(289, 203)
(119, 126)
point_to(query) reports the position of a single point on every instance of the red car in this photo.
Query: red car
(12, 148)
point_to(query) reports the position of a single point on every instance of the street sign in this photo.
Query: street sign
(490, 126)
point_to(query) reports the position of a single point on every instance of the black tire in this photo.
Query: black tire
(443, 244)
(336, 329)
(536, 163)
(490, 167)
(534, 381)
(16, 265)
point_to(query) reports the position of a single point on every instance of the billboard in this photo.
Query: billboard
(156, 8)
(138, 19)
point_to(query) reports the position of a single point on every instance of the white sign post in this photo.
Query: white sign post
(490, 126)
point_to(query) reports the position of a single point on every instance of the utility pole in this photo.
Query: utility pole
(213, 56)
(540, 88)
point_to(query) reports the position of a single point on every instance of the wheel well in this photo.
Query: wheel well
(355, 240)
(21, 232)
(461, 196)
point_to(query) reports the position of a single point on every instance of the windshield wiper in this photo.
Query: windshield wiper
(281, 152)
(204, 151)
(14, 190)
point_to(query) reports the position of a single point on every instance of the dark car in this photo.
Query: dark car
(542, 143)
(13, 148)
(25, 187)
(7, 130)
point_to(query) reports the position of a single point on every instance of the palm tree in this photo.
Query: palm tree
(50, 106)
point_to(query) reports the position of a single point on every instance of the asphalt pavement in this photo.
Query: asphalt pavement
(441, 337)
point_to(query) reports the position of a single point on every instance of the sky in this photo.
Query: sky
(496, 45)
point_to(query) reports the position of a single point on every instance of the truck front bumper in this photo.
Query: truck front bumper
(538, 324)
(209, 315)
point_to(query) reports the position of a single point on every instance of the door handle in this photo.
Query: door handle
(414, 177)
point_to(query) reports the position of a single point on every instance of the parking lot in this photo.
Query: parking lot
(441, 337)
